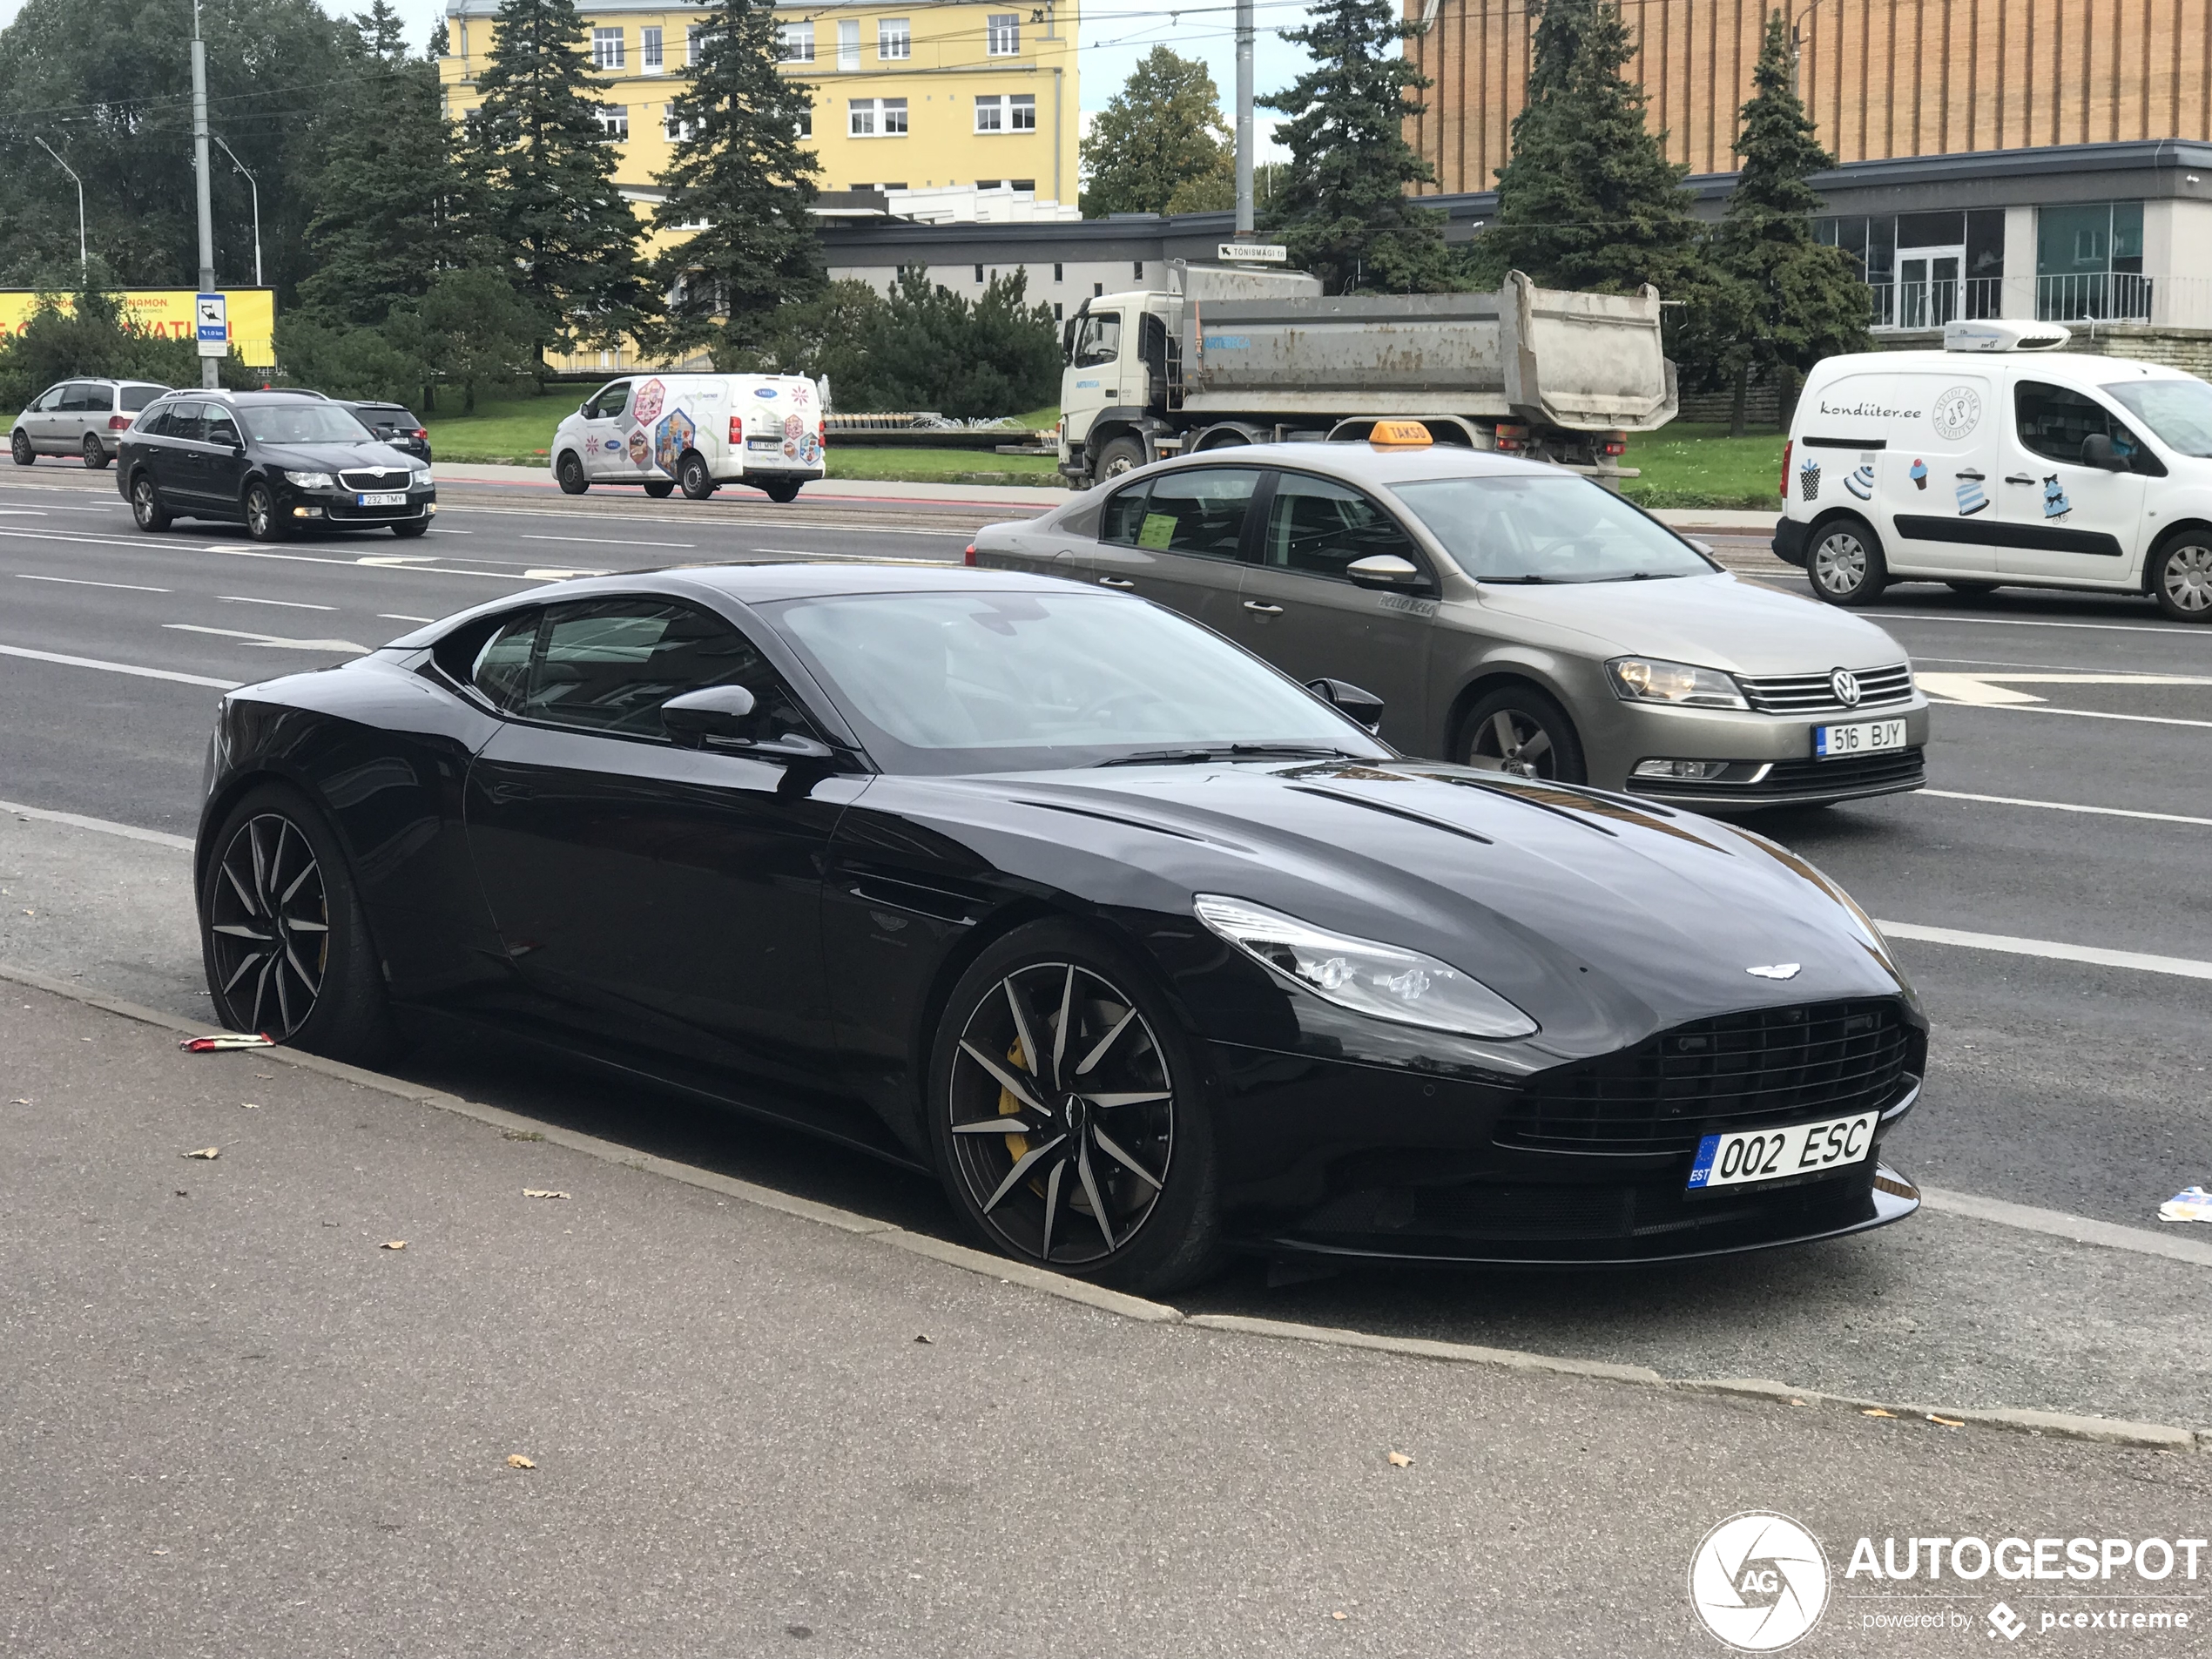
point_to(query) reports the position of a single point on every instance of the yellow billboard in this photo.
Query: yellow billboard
(169, 311)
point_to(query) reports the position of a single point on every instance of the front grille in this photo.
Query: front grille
(1816, 694)
(375, 478)
(1737, 1071)
(1893, 766)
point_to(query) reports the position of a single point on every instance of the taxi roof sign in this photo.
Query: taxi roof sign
(1400, 435)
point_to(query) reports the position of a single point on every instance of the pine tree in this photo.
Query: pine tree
(1162, 134)
(538, 152)
(1800, 302)
(392, 210)
(1343, 208)
(740, 184)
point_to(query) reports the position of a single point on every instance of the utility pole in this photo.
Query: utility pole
(1244, 120)
(84, 262)
(209, 376)
(255, 188)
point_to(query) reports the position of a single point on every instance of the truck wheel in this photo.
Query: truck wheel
(1120, 455)
(691, 472)
(570, 470)
(1845, 563)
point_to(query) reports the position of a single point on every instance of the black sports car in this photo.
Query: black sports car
(1145, 949)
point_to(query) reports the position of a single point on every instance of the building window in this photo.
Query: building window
(989, 184)
(648, 53)
(1140, 269)
(979, 274)
(613, 120)
(676, 131)
(1097, 290)
(1924, 269)
(848, 46)
(1058, 315)
(806, 122)
(692, 42)
(606, 48)
(2089, 262)
(798, 43)
(1002, 35)
(876, 118)
(898, 184)
(894, 39)
(1058, 271)
(1029, 184)
(1004, 113)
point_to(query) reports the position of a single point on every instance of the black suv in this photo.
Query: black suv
(279, 462)
(394, 423)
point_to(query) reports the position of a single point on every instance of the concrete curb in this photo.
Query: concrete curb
(2056, 1425)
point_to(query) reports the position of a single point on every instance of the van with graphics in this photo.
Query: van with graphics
(1999, 459)
(696, 433)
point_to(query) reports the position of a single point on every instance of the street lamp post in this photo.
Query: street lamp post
(84, 260)
(256, 189)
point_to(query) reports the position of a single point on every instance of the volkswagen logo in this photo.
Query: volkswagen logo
(1844, 683)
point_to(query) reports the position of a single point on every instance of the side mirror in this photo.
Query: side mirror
(1706, 547)
(1364, 707)
(585, 408)
(1385, 570)
(2098, 450)
(724, 712)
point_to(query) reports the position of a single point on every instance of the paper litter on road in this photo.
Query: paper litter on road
(517, 1461)
(2190, 1203)
(222, 1040)
(211, 1153)
(394, 1244)
(1399, 1460)
(542, 1192)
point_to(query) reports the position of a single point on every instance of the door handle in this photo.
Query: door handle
(1968, 473)
(1264, 610)
(1115, 582)
(2018, 478)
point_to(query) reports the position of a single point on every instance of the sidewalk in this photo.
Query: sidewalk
(244, 1426)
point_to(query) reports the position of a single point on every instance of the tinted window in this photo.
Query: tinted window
(2054, 420)
(81, 397)
(220, 428)
(302, 423)
(1124, 515)
(1525, 528)
(185, 421)
(1319, 528)
(136, 397)
(609, 665)
(1200, 510)
(610, 404)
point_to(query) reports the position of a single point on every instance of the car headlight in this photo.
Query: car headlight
(421, 478)
(312, 480)
(1387, 982)
(1651, 679)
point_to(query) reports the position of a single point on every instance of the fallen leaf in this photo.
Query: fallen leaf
(181, 1193)
(1339, 1616)
(1876, 1411)
(19, 1103)
(1397, 1461)
(925, 1339)
(542, 1192)
(1948, 1422)
(400, 1244)
(517, 1461)
(211, 1153)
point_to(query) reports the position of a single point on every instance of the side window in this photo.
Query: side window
(222, 429)
(1124, 515)
(1319, 528)
(186, 420)
(81, 397)
(1100, 342)
(1201, 511)
(502, 669)
(608, 665)
(154, 422)
(611, 402)
(2055, 420)
(50, 400)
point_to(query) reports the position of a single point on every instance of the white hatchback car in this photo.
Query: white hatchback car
(2002, 460)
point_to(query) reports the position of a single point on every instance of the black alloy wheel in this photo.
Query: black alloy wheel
(1846, 564)
(2181, 576)
(691, 474)
(1120, 455)
(146, 504)
(286, 952)
(418, 527)
(568, 469)
(95, 452)
(1069, 1121)
(262, 521)
(19, 447)
(660, 488)
(783, 490)
(1519, 731)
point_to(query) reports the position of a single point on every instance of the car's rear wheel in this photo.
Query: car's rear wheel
(1069, 1114)
(19, 447)
(660, 488)
(1846, 563)
(1517, 729)
(95, 452)
(568, 470)
(146, 509)
(2181, 576)
(263, 523)
(1119, 456)
(783, 490)
(692, 474)
(284, 946)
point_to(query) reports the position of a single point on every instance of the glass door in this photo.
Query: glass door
(1929, 281)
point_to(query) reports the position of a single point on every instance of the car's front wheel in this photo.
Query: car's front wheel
(691, 473)
(263, 523)
(95, 452)
(418, 527)
(1846, 563)
(284, 946)
(568, 470)
(19, 447)
(146, 509)
(1517, 730)
(1069, 1114)
(2181, 576)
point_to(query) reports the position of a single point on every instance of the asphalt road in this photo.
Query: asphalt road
(2071, 1086)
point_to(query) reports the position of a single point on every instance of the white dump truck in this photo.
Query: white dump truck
(1232, 354)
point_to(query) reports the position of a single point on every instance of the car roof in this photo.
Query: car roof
(1364, 463)
(2078, 368)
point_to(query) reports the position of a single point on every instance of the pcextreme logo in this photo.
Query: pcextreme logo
(1759, 1581)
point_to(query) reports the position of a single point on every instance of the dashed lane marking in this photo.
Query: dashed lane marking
(118, 668)
(2066, 806)
(275, 642)
(2184, 966)
(604, 541)
(288, 605)
(387, 615)
(2179, 632)
(81, 582)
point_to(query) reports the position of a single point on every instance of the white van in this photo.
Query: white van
(2001, 459)
(695, 432)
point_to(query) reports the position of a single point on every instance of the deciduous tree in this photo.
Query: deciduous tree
(1162, 134)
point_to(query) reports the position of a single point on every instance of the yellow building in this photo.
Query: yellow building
(906, 96)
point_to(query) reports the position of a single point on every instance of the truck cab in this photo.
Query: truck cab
(1114, 380)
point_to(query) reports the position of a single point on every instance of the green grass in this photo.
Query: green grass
(1692, 464)
(503, 430)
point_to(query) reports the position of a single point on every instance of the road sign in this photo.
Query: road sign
(1256, 252)
(211, 320)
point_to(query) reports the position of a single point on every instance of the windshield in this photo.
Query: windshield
(302, 423)
(2180, 412)
(1017, 682)
(1561, 528)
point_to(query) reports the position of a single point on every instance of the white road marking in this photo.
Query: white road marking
(387, 615)
(559, 576)
(29, 512)
(2068, 807)
(118, 668)
(77, 820)
(381, 559)
(2184, 966)
(2085, 714)
(75, 538)
(605, 541)
(1993, 689)
(274, 641)
(2182, 633)
(865, 558)
(289, 605)
(80, 582)
(440, 530)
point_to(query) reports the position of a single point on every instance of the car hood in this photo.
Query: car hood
(331, 457)
(1604, 918)
(1712, 620)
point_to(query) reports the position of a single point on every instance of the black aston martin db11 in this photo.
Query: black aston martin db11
(1146, 950)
